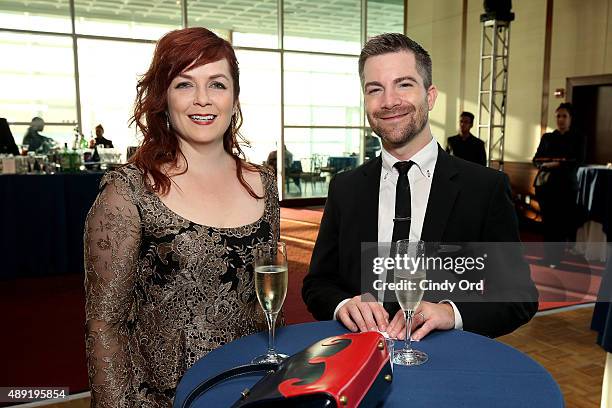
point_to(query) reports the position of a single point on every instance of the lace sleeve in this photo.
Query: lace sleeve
(112, 239)
(272, 196)
(275, 210)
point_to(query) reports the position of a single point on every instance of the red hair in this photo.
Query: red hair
(175, 52)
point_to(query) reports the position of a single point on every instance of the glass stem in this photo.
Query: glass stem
(408, 342)
(271, 319)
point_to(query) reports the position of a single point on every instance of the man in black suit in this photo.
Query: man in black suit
(450, 200)
(7, 142)
(465, 145)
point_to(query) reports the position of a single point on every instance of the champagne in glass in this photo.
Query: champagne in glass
(271, 278)
(271, 287)
(409, 292)
(409, 299)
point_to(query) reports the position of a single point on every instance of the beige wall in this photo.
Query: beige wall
(581, 45)
(436, 25)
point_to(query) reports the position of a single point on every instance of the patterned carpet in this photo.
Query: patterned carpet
(299, 229)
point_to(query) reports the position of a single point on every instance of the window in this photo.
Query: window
(323, 26)
(321, 90)
(41, 15)
(127, 18)
(320, 154)
(260, 102)
(304, 89)
(385, 16)
(243, 23)
(109, 71)
(38, 79)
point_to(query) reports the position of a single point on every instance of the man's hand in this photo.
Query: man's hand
(427, 317)
(360, 315)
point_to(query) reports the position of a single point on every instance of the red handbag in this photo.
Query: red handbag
(350, 370)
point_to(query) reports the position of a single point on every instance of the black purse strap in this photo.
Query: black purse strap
(207, 384)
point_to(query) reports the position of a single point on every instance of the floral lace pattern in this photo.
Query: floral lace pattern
(162, 291)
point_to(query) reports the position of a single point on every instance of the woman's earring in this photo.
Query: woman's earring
(167, 122)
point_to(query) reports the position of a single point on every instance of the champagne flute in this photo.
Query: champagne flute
(271, 276)
(409, 292)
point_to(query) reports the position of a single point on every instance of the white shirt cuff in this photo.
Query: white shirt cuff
(339, 306)
(458, 319)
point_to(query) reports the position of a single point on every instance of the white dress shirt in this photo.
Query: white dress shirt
(420, 177)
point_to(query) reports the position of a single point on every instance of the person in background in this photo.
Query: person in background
(558, 156)
(293, 169)
(272, 159)
(100, 139)
(372, 146)
(7, 142)
(465, 145)
(169, 239)
(34, 140)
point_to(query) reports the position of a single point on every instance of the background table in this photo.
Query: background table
(336, 164)
(595, 205)
(595, 194)
(464, 370)
(41, 219)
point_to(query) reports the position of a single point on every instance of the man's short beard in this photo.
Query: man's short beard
(401, 137)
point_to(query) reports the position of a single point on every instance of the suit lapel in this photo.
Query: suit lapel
(368, 200)
(442, 197)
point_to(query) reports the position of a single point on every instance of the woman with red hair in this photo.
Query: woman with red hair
(168, 241)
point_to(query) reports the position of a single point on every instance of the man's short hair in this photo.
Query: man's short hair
(469, 115)
(396, 42)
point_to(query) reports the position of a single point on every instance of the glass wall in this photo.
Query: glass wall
(109, 71)
(127, 18)
(298, 62)
(37, 76)
(321, 90)
(45, 15)
(329, 26)
(385, 16)
(243, 23)
(260, 100)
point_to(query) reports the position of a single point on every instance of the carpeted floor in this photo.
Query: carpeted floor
(43, 341)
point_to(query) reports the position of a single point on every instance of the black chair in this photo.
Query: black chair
(294, 172)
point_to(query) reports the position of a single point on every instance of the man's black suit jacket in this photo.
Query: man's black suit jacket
(471, 149)
(467, 203)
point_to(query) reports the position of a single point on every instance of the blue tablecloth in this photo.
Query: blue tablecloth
(464, 370)
(42, 219)
(595, 195)
(602, 313)
(595, 198)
